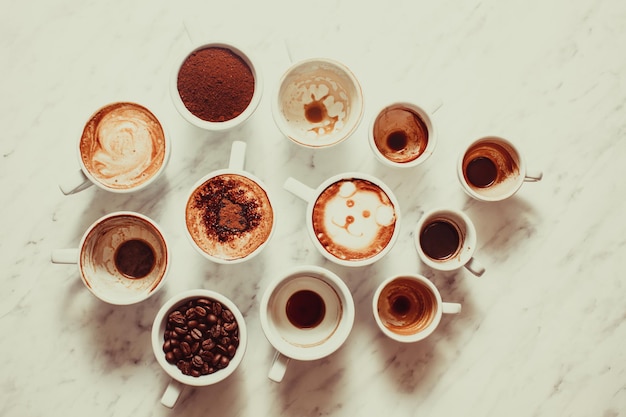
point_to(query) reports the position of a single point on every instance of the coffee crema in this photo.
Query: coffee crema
(440, 239)
(229, 216)
(123, 145)
(400, 134)
(406, 306)
(354, 219)
(488, 163)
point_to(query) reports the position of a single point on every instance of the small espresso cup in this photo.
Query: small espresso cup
(402, 135)
(306, 314)
(318, 103)
(199, 338)
(445, 240)
(353, 219)
(123, 148)
(408, 308)
(229, 216)
(216, 86)
(123, 258)
(492, 169)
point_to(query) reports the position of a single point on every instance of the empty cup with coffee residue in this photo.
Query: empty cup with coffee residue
(307, 313)
(402, 135)
(229, 215)
(353, 219)
(122, 258)
(216, 86)
(408, 307)
(492, 169)
(445, 240)
(318, 103)
(123, 148)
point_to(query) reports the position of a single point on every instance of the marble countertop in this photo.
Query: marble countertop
(542, 332)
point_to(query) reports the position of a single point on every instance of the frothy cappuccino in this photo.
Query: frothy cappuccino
(123, 146)
(354, 219)
(229, 216)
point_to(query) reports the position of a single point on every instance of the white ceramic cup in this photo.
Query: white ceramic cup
(103, 267)
(180, 380)
(123, 148)
(408, 307)
(436, 249)
(362, 223)
(287, 304)
(246, 243)
(318, 103)
(402, 135)
(217, 125)
(492, 169)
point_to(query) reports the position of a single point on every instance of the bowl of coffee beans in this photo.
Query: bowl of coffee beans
(199, 337)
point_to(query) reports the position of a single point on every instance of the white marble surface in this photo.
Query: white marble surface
(542, 333)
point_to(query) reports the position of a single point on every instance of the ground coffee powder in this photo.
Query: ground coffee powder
(215, 84)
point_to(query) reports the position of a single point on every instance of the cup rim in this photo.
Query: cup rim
(465, 252)
(358, 175)
(227, 124)
(229, 171)
(158, 327)
(339, 336)
(149, 181)
(472, 193)
(415, 337)
(432, 135)
(279, 120)
(141, 296)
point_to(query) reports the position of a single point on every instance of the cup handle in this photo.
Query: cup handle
(475, 267)
(298, 189)
(237, 156)
(451, 308)
(171, 394)
(278, 368)
(533, 176)
(64, 256)
(75, 183)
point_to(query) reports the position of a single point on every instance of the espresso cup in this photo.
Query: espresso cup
(318, 103)
(306, 314)
(199, 337)
(123, 148)
(408, 308)
(402, 135)
(492, 169)
(123, 258)
(353, 219)
(445, 240)
(229, 216)
(216, 86)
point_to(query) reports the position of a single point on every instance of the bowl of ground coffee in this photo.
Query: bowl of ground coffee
(216, 86)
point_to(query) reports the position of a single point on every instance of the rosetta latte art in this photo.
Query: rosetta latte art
(123, 145)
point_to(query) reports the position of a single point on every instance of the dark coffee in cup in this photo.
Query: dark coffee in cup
(400, 134)
(407, 306)
(123, 146)
(135, 258)
(229, 216)
(488, 163)
(305, 309)
(440, 239)
(354, 219)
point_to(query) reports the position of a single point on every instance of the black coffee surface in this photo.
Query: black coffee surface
(134, 258)
(305, 309)
(481, 172)
(440, 240)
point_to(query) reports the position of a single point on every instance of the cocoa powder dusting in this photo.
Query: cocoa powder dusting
(215, 84)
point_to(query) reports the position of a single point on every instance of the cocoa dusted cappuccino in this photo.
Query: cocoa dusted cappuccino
(123, 146)
(406, 306)
(354, 219)
(229, 216)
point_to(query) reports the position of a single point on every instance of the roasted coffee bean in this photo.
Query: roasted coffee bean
(201, 336)
(196, 334)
